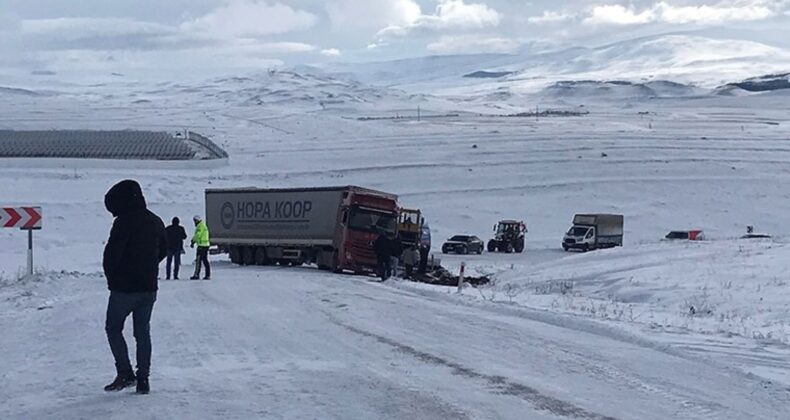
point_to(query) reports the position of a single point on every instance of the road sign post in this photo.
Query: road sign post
(461, 277)
(30, 252)
(25, 218)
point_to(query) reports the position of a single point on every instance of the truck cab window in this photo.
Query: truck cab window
(372, 221)
(578, 231)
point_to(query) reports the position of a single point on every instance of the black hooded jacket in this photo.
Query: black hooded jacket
(137, 241)
(175, 237)
(382, 247)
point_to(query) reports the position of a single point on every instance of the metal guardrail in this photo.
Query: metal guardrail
(218, 152)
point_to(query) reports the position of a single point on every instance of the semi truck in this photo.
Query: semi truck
(594, 231)
(332, 227)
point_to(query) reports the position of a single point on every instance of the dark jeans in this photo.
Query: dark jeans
(119, 307)
(202, 259)
(383, 267)
(409, 271)
(173, 256)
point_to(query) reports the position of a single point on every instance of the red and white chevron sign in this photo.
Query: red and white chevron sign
(20, 217)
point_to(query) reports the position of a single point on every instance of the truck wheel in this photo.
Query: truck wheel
(248, 255)
(509, 248)
(585, 248)
(520, 246)
(235, 254)
(336, 263)
(491, 246)
(260, 256)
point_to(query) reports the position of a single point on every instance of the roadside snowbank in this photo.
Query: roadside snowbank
(734, 288)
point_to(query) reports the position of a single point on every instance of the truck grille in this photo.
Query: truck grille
(363, 252)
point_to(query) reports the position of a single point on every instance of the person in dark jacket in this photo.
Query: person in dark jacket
(382, 247)
(175, 247)
(137, 244)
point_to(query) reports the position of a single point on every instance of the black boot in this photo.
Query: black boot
(121, 381)
(142, 386)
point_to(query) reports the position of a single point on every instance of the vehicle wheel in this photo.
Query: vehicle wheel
(520, 246)
(464, 251)
(260, 256)
(248, 255)
(480, 250)
(491, 246)
(235, 255)
(585, 248)
(565, 247)
(509, 248)
(336, 263)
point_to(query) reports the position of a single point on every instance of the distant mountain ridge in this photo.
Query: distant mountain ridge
(689, 59)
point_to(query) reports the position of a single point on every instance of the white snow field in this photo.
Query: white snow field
(606, 334)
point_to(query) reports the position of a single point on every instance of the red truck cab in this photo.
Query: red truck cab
(365, 215)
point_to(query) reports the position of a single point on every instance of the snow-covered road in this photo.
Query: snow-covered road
(298, 343)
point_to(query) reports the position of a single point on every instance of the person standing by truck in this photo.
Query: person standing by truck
(395, 254)
(382, 247)
(410, 258)
(175, 247)
(201, 240)
(425, 248)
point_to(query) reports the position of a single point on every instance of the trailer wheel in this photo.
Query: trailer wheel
(260, 256)
(235, 254)
(248, 255)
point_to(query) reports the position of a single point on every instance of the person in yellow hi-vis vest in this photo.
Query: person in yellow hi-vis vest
(201, 239)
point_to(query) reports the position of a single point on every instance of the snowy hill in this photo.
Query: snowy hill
(767, 83)
(618, 90)
(688, 59)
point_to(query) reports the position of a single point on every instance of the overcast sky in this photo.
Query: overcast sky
(225, 36)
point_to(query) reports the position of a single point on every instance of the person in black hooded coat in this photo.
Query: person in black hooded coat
(136, 246)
